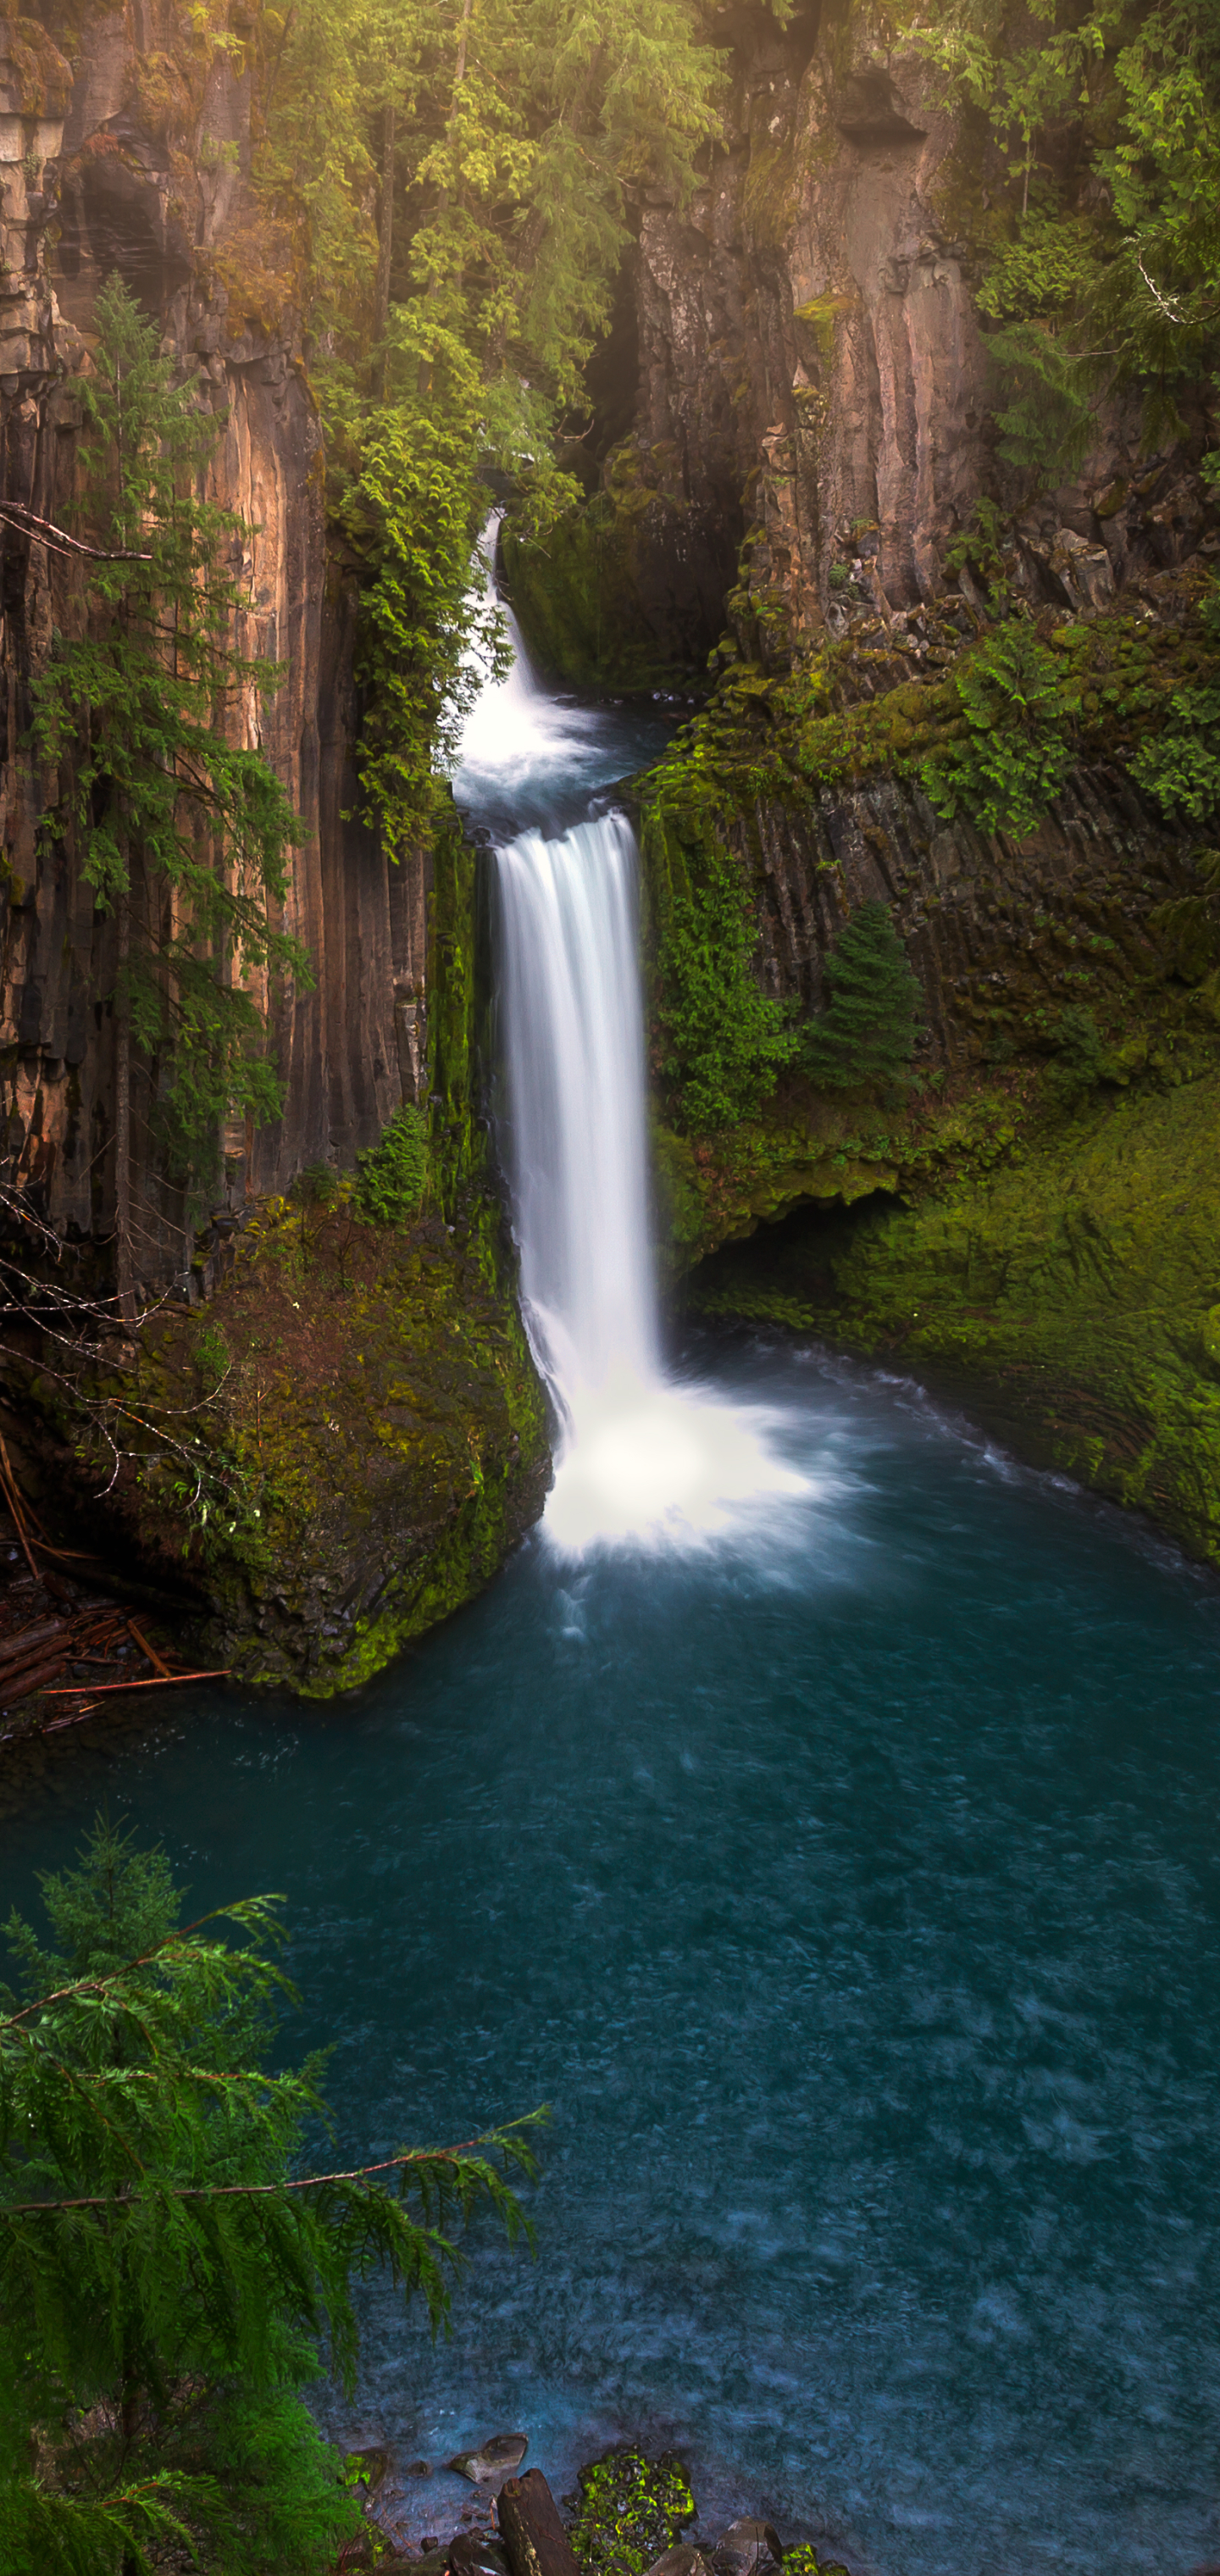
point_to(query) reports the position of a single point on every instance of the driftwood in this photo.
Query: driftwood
(535, 2542)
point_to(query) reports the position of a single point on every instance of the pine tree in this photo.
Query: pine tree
(875, 1013)
(167, 2272)
(183, 834)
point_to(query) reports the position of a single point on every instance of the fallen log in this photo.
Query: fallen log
(18, 1648)
(28, 1678)
(535, 2541)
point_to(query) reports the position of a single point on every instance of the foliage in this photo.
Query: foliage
(1180, 764)
(1104, 258)
(875, 1012)
(186, 830)
(724, 1039)
(1013, 755)
(1081, 1059)
(167, 2276)
(1043, 409)
(393, 1174)
(1189, 925)
(465, 176)
(980, 544)
(632, 2510)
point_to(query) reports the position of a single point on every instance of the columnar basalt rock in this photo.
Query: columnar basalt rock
(134, 157)
(807, 330)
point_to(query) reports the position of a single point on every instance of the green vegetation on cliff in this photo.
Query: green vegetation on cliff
(1092, 140)
(461, 177)
(723, 1040)
(183, 829)
(867, 1032)
(1055, 1271)
(171, 2277)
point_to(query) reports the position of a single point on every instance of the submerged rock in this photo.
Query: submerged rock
(748, 2548)
(496, 2458)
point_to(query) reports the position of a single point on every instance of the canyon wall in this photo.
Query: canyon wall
(129, 150)
(812, 423)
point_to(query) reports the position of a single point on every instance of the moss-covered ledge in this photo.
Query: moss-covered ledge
(1064, 1289)
(333, 1455)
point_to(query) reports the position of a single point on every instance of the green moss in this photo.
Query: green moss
(1067, 1293)
(632, 2509)
(772, 194)
(821, 315)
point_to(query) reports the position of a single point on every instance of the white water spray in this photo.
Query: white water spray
(641, 1458)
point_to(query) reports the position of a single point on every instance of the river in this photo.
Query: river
(820, 1816)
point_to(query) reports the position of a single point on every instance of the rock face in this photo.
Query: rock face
(812, 386)
(806, 325)
(134, 157)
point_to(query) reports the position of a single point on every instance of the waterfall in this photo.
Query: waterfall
(575, 1063)
(641, 1457)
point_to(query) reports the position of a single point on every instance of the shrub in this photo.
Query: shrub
(1181, 765)
(1080, 1059)
(875, 1013)
(725, 1040)
(316, 1187)
(391, 1177)
(1013, 756)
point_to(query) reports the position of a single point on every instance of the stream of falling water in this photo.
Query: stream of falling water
(640, 1457)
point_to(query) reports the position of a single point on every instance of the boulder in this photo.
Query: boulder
(534, 2538)
(497, 2458)
(683, 2560)
(476, 2553)
(748, 2548)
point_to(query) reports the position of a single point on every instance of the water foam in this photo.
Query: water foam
(642, 1458)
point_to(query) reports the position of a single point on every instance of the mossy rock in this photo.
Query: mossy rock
(632, 2509)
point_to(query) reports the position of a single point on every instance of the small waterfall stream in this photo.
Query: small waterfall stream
(640, 1457)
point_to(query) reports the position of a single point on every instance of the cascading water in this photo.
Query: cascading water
(640, 1457)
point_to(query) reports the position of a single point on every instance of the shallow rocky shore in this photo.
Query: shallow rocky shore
(630, 2514)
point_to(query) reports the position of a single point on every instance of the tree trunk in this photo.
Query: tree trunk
(124, 1273)
(385, 247)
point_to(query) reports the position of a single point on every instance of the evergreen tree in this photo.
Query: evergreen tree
(875, 1012)
(167, 2272)
(184, 834)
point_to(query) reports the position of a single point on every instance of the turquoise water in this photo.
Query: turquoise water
(849, 1889)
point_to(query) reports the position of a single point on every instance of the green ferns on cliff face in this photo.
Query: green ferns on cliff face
(170, 2275)
(724, 1040)
(1012, 754)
